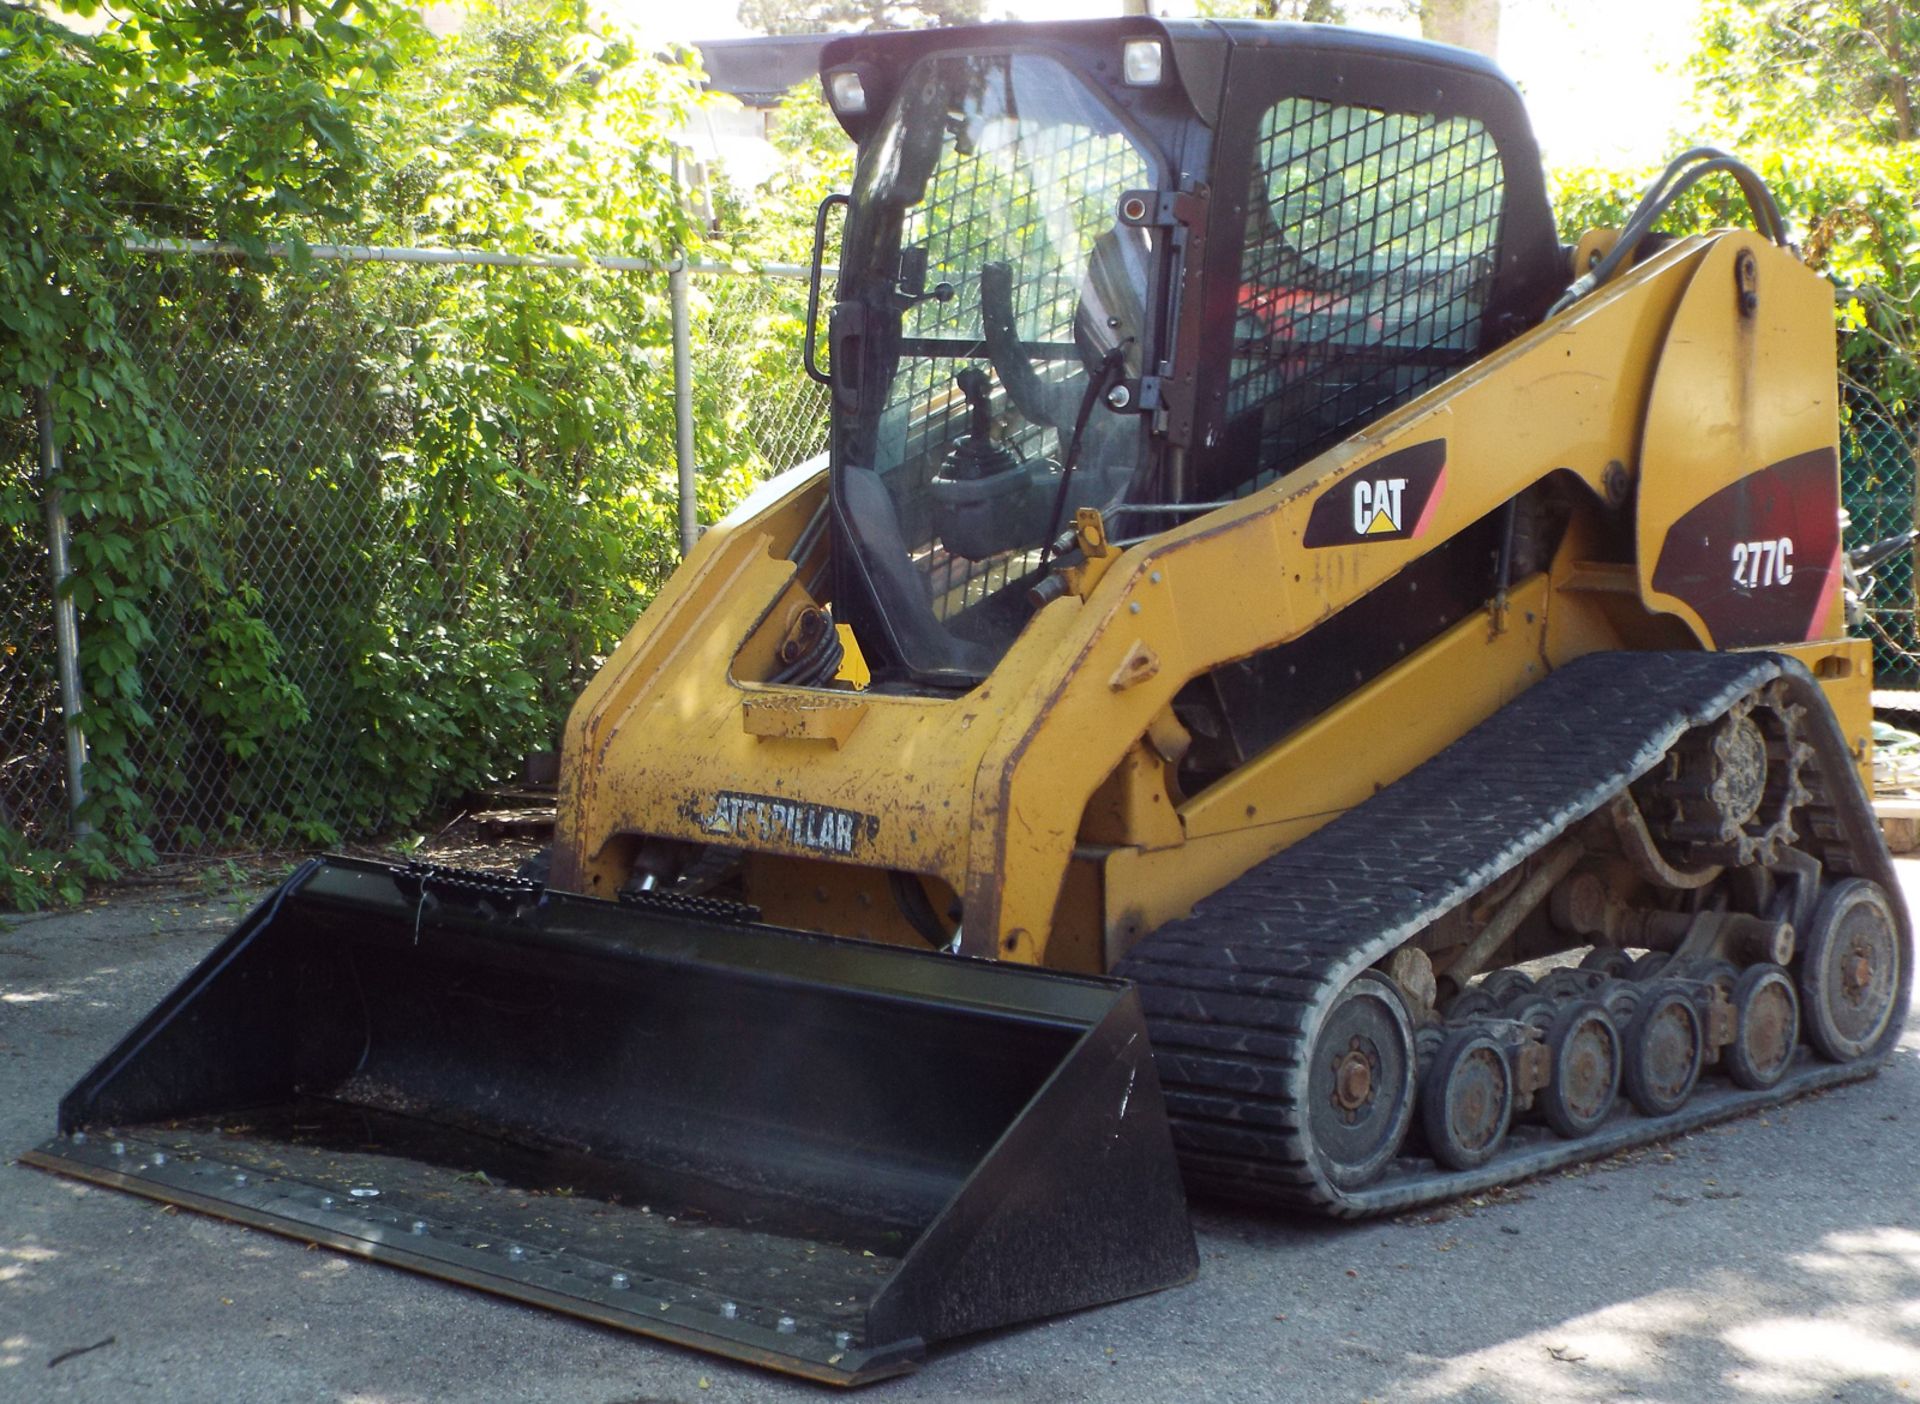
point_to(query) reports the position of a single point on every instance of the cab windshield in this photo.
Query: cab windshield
(998, 300)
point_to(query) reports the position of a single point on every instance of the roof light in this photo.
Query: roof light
(849, 93)
(1141, 62)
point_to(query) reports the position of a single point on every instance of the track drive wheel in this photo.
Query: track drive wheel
(1666, 1044)
(1360, 1082)
(1850, 972)
(1766, 1014)
(1585, 1048)
(1466, 1100)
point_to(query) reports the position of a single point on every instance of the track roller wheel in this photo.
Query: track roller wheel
(1608, 960)
(1427, 1040)
(1721, 974)
(1850, 970)
(1622, 1000)
(1647, 966)
(1469, 1004)
(1536, 1010)
(1505, 986)
(1466, 1100)
(1666, 1045)
(1568, 983)
(1360, 1082)
(1766, 1015)
(1585, 1048)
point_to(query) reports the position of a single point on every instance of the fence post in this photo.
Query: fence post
(683, 402)
(66, 629)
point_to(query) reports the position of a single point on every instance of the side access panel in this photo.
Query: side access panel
(1738, 509)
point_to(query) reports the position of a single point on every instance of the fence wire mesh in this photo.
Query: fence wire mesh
(751, 334)
(392, 520)
(32, 738)
(1877, 484)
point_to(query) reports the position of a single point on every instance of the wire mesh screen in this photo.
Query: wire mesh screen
(1032, 192)
(32, 757)
(1370, 252)
(1877, 482)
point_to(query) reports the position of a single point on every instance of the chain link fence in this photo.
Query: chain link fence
(32, 734)
(390, 513)
(756, 325)
(1877, 480)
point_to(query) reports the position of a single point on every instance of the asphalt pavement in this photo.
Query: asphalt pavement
(1775, 1258)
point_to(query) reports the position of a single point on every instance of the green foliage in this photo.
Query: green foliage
(773, 223)
(1799, 70)
(344, 604)
(184, 118)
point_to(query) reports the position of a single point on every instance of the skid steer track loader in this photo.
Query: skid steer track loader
(1256, 560)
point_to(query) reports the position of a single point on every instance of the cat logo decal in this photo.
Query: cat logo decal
(1391, 499)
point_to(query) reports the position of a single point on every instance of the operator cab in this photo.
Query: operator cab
(1144, 267)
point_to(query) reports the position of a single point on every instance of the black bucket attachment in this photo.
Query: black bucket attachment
(808, 1153)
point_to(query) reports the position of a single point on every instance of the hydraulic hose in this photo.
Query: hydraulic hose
(1682, 174)
(1112, 366)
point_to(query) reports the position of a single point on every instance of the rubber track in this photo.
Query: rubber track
(1234, 993)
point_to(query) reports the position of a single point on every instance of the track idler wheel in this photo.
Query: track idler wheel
(1666, 1045)
(1766, 1015)
(1360, 1082)
(1466, 1100)
(1850, 970)
(1584, 1045)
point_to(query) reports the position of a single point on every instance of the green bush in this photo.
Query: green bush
(346, 540)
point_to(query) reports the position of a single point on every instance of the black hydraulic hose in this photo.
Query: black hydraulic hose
(911, 898)
(817, 665)
(1681, 174)
(1759, 198)
(1113, 365)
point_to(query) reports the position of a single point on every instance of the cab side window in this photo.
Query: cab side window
(1371, 247)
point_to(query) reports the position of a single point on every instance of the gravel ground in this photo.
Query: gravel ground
(1775, 1258)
